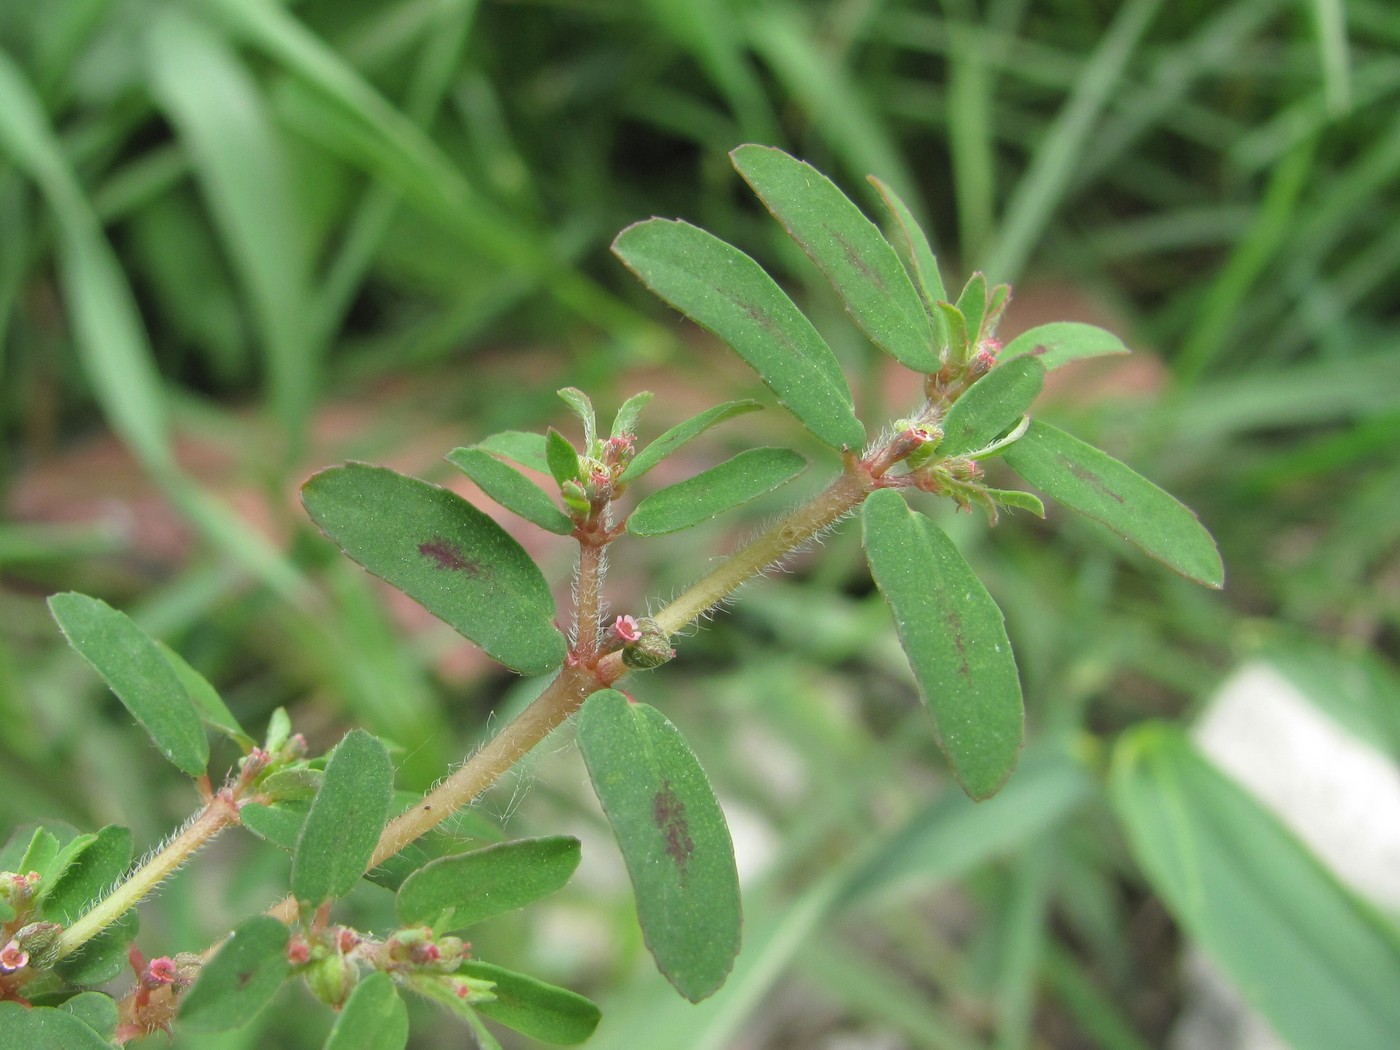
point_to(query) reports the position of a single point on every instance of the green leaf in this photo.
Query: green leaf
(444, 554)
(104, 957)
(278, 824)
(734, 482)
(206, 699)
(561, 458)
(511, 489)
(373, 1018)
(94, 870)
(97, 1010)
(955, 639)
(723, 290)
(1098, 486)
(1018, 500)
(242, 977)
(953, 326)
(44, 1028)
(1061, 342)
(1320, 964)
(136, 670)
(578, 402)
(919, 257)
(29, 849)
(847, 247)
(972, 304)
(533, 1008)
(345, 819)
(525, 448)
(673, 838)
(455, 892)
(625, 422)
(991, 406)
(681, 433)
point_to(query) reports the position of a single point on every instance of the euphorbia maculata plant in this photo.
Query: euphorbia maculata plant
(333, 812)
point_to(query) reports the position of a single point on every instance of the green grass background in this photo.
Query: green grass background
(240, 239)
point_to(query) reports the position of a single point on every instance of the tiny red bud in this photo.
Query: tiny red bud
(161, 970)
(345, 940)
(298, 952)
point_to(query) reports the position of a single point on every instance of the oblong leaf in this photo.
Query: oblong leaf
(373, 1018)
(673, 838)
(734, 482)
(919, 258)
(98, 867)
(972, 304)
(279, 824)
(525, 448)
(136, 670)
(1321, 965)
(625, 421)
(532, 1007)
(24, 1027)
(206, 698)
(451, 893)
(1096, 485)
(723, 290)
(242, 977)
(97, 1010)
(343, 825)
(681, 433)
(444, 554)
(561, 457)
(847, 247)
(1060, 342)
(991, 406)
(511, 489)
(955, 638)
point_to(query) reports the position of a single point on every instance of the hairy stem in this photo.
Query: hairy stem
(220, 811)
(577, 681)
(587, 618)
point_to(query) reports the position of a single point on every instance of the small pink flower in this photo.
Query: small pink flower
(13, 957)
(627, 629)
(161, 970)
(345, 940)
(298, 952)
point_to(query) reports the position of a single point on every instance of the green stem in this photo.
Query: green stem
(218, 813)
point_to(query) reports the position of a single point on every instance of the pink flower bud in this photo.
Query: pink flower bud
(161, 970)
(627, 629)
(13, 957)
(298, 952)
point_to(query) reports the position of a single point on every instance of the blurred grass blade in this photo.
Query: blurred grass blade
(712, 492)
(373, 1018)
(1330, 20)
(1041, 190)
(1060, 342)
(847, 247)
(108, 329)
(954, 636)
(346, 817)
(534, 1008)
(242, 977)
(241, 164)
(1098, 486)
(511, 489)
(452, 893)
(992, 406)
(444, 554)
(722, 289)
(681, 433)
(131, 663)
(673, 837)
(1321, 965)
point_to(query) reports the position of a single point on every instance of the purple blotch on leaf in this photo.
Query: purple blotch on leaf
(447, 555)
(668, 813)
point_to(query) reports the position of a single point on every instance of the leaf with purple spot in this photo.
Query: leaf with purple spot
(673, 838)
(446, 555)
(955, 639)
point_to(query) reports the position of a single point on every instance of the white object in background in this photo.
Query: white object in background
(1336, 792)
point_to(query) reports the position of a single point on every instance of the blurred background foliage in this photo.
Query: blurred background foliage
(240, 239)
